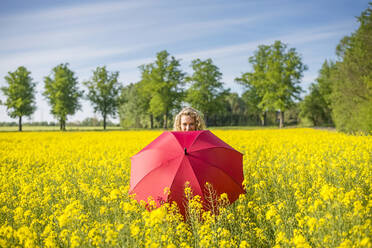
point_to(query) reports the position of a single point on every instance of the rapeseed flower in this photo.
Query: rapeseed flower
(71, 189)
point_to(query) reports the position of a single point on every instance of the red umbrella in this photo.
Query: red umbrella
(175, 158)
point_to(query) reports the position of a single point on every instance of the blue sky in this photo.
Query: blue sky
(126, 34)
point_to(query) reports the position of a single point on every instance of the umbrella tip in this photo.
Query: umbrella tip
(185, 151)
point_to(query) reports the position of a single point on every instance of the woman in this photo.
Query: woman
(188, 119)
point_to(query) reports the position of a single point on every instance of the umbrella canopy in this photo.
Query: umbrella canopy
(175, 158)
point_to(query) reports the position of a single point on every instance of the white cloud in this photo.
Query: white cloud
(312, 35)
(52, 57)
(63, 37)
(74, 11)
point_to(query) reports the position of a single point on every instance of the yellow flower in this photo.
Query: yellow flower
(280, 237)
(154, 245)
(134, 230)
(71, 189)
(299, 240)
(102, 210)
(346, 244)
(166, 191)
(224, 243)
(120, 227)
(75, 241)
(327, 192)
(244, 244)
(365, 242)
(115, 194)
(271, 213)
(311, 222)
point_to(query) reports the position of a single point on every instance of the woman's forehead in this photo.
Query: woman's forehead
(187, 117)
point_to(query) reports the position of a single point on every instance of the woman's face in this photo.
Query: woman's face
(187, 123)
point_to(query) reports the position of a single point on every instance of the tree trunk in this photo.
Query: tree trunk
(151, 121)
(281, 119)
(20, 124)
(104, 122)
(60, 124)
(263, 119)
(165, 121)
(315, 123)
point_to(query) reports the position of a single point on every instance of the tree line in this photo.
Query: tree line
(342, 93)
(151, 102)
(340, 96)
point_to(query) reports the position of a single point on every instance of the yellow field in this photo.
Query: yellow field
(305, 188)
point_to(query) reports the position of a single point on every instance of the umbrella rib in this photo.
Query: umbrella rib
(195, 139)
(195, 176)
(230, 149)
(177, 141)
(161, 164)
(192, 172)
(232, 179)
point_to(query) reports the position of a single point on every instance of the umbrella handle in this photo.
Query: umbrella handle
(185, 151)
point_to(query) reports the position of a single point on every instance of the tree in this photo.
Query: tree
(62, 93)
(90, 122)
(325, 84)
(316, 106)
(252, 101)
(206, 92)
(20, 94)
(255, 83)
(144, 91)
(234, 109)
(132, 108)
(352, 79)
(162, 81)
(312, 107)
(276, 76)
(103, 92)
(235, 104)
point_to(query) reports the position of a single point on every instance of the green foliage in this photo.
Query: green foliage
(206, 92)
(132, 110)
(292, 115)
(157, 105)
(312, 106)
(103, 92)
(20, 94)
(235, 104)
(324, 81)
(162, 82)
(352, 89)
(276, 76)
(252, 100)
(317, 105)
(62, 93)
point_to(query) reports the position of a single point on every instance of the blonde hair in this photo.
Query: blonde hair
(193, 113)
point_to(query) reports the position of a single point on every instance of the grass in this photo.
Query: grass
(55, 128)
(27, 128)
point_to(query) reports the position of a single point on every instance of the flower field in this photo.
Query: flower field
(305, 188)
